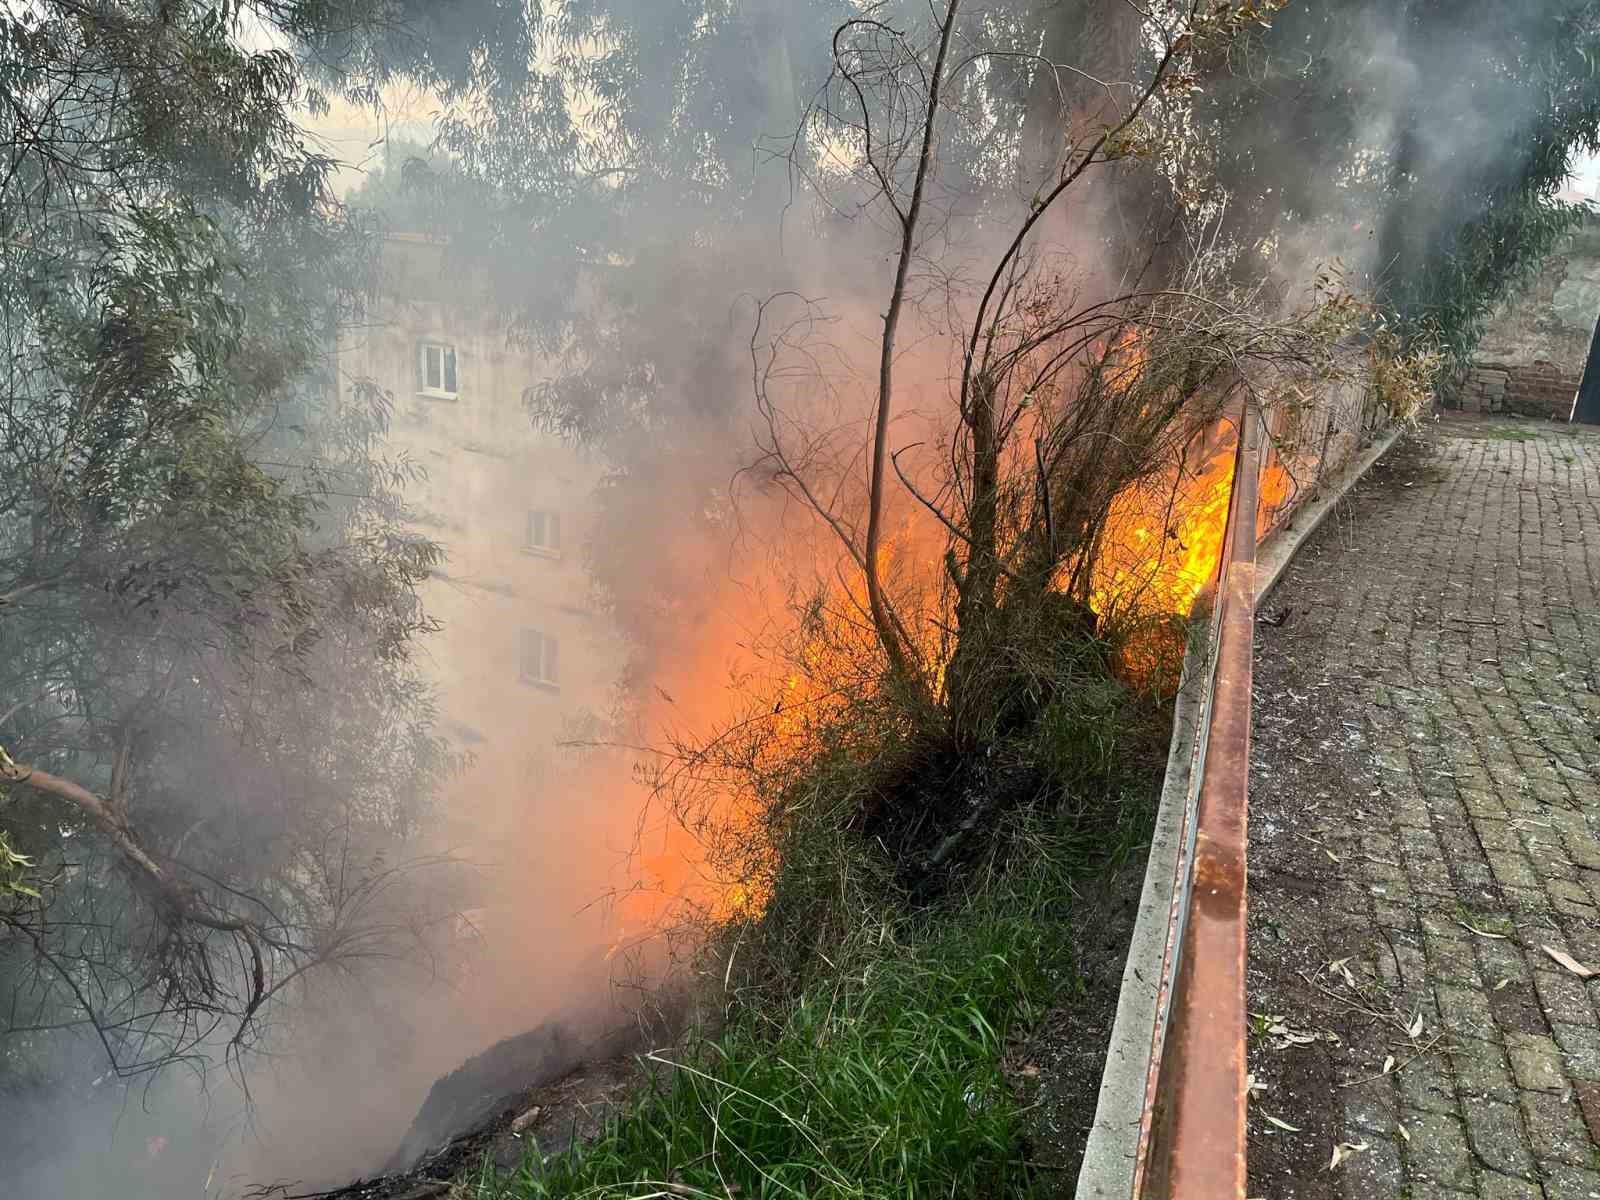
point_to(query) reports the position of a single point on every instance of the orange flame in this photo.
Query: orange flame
(1163, 542)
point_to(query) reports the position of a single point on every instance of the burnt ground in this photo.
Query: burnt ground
(1057, 1069)
(1425, 821)
(553, 1116)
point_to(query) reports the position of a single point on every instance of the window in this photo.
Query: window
(436, 370)
(538, 658)
(544, 532)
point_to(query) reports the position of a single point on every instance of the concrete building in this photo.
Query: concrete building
(523, 658)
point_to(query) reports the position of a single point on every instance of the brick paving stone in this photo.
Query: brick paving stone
(1372, 1107)
(1588, 1097)
(1482, 1071)
(1497, 1137)
(1466, 1011)
(1564, 998)
(1569, 896)
(1562, 1182)
(1438, 1151)
(1536, 1063)
(1506, 1187)
(1504, 964)
(1376, 1171)
(1431, 716)
(1556, 1129)
(1427, 1085)
(1580, 1047)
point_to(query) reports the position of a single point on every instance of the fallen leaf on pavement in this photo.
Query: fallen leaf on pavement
(1414, 1030)
(1343, 1151)
(1570, 963)
(1388, 1064)
(1483, 933)
(1286, 1036)
(1272, 1120)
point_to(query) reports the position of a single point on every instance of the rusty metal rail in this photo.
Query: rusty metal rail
(1171, 1116)
(1171, 1119)
(1192, 1135)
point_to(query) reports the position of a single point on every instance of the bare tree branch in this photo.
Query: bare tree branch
(899, 654)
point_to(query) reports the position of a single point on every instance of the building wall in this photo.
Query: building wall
(487, 470)
(1532, 355)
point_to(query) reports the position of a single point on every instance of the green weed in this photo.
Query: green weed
(883, 1081)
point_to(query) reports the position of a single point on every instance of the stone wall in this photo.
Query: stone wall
(1532, 354)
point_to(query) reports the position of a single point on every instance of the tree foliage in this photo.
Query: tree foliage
(216, 748)
(1426, 140)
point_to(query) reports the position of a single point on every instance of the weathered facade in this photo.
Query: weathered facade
(1532, 354)
(523, 657)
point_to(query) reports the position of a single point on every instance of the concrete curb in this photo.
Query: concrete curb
(1109, 1155)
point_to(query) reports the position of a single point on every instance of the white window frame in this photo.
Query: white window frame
(449, 361)
(537, 533)
(536, 644)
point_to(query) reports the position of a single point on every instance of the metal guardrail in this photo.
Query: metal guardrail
(1192, 1132)
(1171, 1119)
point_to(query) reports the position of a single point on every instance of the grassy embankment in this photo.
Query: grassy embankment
(905, 948)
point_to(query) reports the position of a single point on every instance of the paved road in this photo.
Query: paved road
(1425, 821)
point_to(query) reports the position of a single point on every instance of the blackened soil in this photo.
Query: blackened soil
(545, 1120)
(1057, 1068)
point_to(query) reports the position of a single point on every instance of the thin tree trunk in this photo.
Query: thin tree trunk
(978, 585)
(898, 653)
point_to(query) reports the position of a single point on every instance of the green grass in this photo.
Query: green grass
(884, 1080)
(916, 926)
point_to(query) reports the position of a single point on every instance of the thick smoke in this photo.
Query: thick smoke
(697, 552)
(1377, 136)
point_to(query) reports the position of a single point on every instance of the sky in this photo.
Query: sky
(1586, 174)
(353, 136)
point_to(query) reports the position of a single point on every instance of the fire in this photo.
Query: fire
(1163, 540)
(1155, 565)
(1164, 537)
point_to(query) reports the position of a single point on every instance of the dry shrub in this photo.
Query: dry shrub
(843, 795)
(1404, 377)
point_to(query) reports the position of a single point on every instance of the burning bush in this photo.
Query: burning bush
(1040, 638)
(964, 708)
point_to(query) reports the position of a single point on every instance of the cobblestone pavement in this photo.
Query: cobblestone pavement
(1425, 821)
